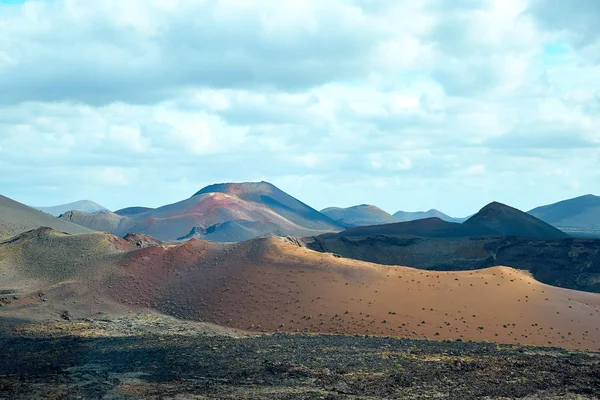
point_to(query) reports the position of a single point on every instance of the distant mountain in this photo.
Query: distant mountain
(275, 200)
(367, 215)
(495, 219)
(132, 211)
(496, 235)
(83, 206)
(579, 216)
(254, 208)
(16, 218)
(362, 215)
(403, 216)
(509, 221)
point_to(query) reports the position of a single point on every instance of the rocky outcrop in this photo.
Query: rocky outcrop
(142, 241)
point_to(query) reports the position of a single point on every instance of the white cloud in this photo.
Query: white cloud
(343, 101)
(115, 176)
(391, 161)
(474, 170)
(130, 137)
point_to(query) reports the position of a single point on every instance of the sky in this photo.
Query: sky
(408, 105)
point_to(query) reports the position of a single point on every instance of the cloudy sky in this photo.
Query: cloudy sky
(404, 104)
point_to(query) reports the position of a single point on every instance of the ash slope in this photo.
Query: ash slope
(273, 211)
(16, 218)
(276, 284)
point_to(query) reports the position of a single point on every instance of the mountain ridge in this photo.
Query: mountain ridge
(494, 219)
(81, 205)
(579, 216)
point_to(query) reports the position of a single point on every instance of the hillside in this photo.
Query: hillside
(16, 218)
(263, 208)
(361, 215)
(578, 217)
(83, 206)
(509, 221)
(276, 284)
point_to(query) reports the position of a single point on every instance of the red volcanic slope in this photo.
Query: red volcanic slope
(275, 285)
(277, 201)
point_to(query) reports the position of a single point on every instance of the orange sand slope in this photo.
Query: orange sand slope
(275, 285)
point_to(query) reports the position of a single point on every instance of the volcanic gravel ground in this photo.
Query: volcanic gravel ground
(286, 366)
